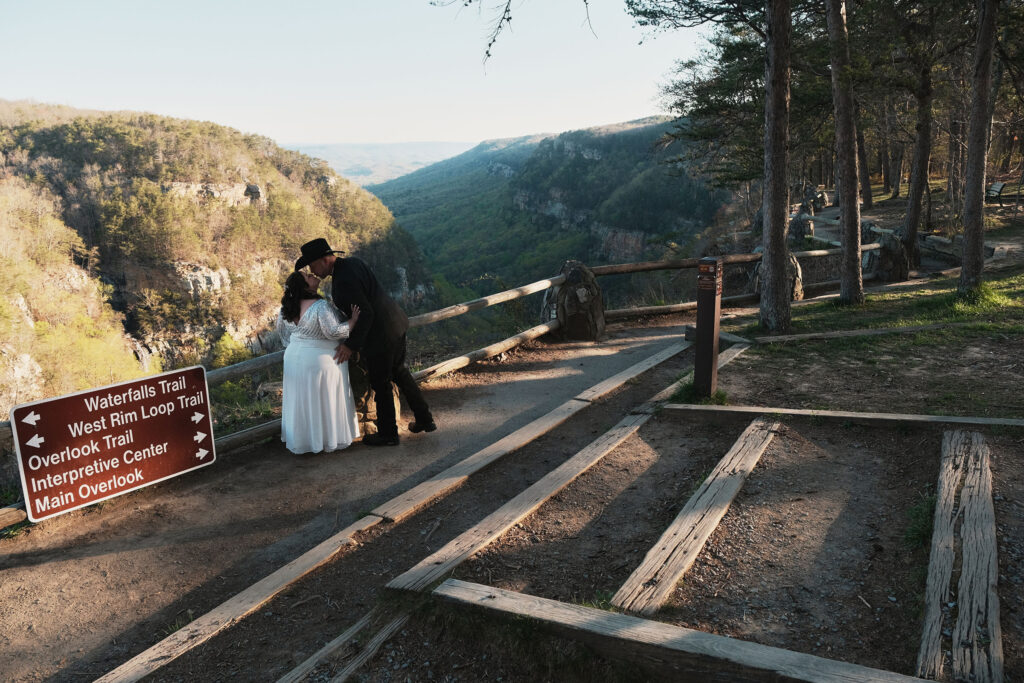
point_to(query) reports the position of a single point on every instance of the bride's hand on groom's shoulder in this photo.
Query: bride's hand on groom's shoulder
(355, 316)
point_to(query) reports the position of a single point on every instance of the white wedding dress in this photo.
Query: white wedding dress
(317, 406)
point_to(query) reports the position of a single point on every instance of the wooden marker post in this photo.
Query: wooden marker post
(709, 309)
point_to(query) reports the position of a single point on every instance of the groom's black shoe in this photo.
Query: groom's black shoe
(381, 439)
(417, 427)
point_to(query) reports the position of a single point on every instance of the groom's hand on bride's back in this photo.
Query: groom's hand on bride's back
(342, 354)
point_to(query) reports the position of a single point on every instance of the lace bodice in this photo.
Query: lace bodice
(321, 321)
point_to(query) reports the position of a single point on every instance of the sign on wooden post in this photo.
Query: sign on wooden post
(82, 448)
(709, 308)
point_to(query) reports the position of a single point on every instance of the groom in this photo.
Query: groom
(379, 334)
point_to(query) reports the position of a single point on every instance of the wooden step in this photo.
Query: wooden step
(651, 584)
(965, 525)
(305, 668)
(695, 655)
(849, 415)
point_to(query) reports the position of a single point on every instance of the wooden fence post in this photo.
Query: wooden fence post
(709, 308)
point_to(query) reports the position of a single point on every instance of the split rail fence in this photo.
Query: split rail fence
(8, 468)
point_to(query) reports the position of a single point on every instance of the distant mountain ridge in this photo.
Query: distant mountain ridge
(517, 208)
(369, 163)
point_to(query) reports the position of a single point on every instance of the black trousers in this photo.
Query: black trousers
(384, 368)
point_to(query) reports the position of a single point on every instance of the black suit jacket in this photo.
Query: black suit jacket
(381, 321)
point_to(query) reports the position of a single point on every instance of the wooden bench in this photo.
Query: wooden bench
(995, 191)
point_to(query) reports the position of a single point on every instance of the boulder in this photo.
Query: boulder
(794, 275)
(577, 304)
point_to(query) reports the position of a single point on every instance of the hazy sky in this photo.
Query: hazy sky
(321, 71)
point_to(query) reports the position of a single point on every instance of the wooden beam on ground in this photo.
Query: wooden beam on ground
(849, 415)
(412, 500)
(693, 654)
(964, 497)
(647, 588)
(453, 364)
(302, 670)
(839, 334)
(977, 637)
(371, 648)
(930, 659)
(484, 302)
(234, 609)
(498, 522)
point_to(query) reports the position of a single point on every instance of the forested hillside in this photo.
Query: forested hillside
(185, 228)
(517, 209)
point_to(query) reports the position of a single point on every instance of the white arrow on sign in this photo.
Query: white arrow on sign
(202, 453)
(31, 418)
(35, 441)
(196, 417)
(198, 437)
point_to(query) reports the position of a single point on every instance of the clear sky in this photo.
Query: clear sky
(323, 71)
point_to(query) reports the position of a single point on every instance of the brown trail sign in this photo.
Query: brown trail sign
(82, 448)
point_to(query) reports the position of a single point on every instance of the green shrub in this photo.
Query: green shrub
(227, 351)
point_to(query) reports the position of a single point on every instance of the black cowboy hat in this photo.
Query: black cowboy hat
(313, 250)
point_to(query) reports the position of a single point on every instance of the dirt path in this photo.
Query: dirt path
(84, 591)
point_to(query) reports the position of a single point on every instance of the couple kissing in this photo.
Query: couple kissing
(318, 406)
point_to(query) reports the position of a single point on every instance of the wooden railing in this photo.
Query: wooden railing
(271, 360)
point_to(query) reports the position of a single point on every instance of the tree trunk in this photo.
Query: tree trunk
(977, 150)
(895, 150)
(1009, 147)
(862, 162)
(851, 280)
(883, 163)
(919, 165)
(1008, 151)
(897, 171)
(775, 293)
(955, 181)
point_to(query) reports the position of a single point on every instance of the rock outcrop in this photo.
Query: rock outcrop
(232, 194)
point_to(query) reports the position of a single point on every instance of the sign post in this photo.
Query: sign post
(709, 309)
(82, 448)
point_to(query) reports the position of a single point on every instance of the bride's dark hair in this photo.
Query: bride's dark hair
(295, 290)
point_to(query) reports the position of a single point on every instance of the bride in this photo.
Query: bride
(317, 409)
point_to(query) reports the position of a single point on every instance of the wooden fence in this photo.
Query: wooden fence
(271, 360)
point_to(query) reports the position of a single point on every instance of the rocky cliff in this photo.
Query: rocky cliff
(192, 227)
